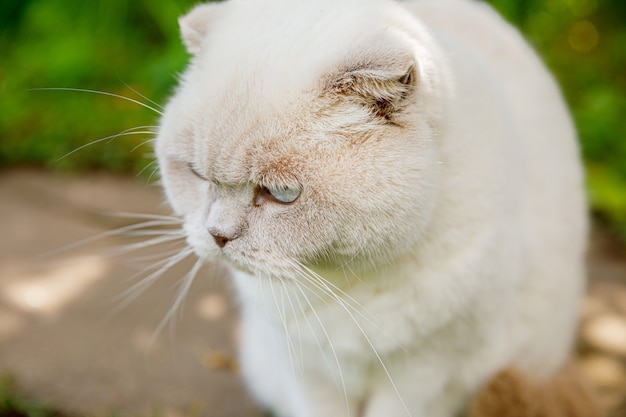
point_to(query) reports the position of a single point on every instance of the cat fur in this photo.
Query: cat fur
(441, 226)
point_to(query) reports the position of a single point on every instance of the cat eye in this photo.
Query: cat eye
(279, 194)
(285, 194)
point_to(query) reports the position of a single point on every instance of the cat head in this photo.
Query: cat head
(302, 133)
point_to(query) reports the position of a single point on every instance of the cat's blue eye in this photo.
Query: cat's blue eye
(282, 194)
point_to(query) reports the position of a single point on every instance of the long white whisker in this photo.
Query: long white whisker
(315, 277)
(357, 308)
(294, 314)
(329, 288)
(154, 171)
(104, 93)
(159, 268)
(147, 243)
(127, 132)
(149, 216)
(145, 142)
(151, 164)
(172, 232)
(158, 257)
(143, 96)
(281, 315)
(180, 297)
(330, 343)
(346, 265)
(109, 233)
(131, 293)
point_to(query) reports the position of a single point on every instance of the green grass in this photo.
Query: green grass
(118, 47)
(127, 46)
(15, 404)
(584, 43)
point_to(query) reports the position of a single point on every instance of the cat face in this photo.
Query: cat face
(318, 160)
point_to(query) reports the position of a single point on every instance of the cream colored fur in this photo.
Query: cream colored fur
(439, 232)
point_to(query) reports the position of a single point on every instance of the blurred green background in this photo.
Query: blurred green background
(132, 47)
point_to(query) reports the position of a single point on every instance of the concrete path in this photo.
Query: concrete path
(57, 334)
(64, 341)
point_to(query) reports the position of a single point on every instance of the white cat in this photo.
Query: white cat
(397, 189)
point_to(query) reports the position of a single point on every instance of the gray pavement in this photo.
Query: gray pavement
(63, 339)
(60, 335)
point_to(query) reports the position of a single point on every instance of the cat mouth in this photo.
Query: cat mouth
(260, 264)
(212, 253)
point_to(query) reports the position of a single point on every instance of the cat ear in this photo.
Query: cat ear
(194, 25)
(382, 82)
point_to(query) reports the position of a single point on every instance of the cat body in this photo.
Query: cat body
(397, 190)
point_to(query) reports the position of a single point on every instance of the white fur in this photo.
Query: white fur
(427, 250)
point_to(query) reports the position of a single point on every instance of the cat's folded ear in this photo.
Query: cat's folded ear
(194, 26)
(381, 78)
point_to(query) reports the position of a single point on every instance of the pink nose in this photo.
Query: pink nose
(220, 239)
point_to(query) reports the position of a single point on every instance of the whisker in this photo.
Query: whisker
(135, 290)
(294, 313)
(330, 343)
(186, 282)
(359, 309)
(263, 298)
(176, 232)
(104, 93)
(281, 315)
(143, 96)
(152, 220)
(359, 252)
(108, 233)
(155, 257)
(151, 216)
(154, 171)
(152, 164)
(145, 142)
(154, 271)
(127, 132)
(330, 289)
(146, 244)
(320, 281)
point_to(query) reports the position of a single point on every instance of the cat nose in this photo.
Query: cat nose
(220, 238)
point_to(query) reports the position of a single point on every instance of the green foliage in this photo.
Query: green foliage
(13, 404)
(127, 46)
(118, 47)
(584, 43)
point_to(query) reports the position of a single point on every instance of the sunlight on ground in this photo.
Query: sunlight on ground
(47, 291)
(602, 343)
(212, 307)
(10, 322)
